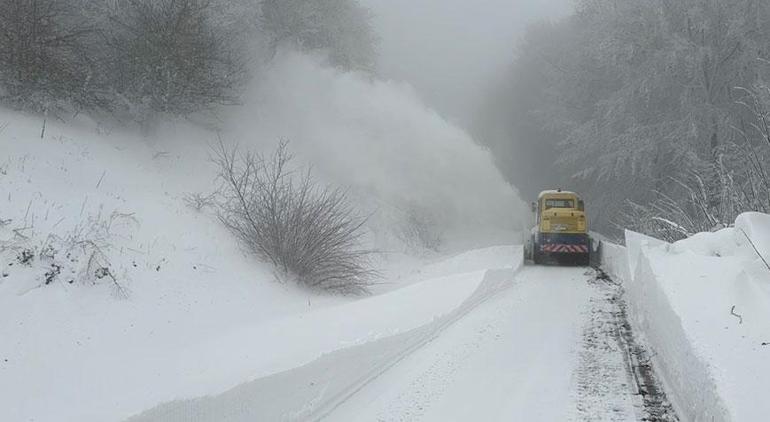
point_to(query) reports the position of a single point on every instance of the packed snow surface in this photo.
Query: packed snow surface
(541, 344)
(517, 357)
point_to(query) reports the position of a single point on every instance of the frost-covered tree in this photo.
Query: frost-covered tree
(137, 59)
(170, 56)
(340, 28)
(638, 94)
(43, 62)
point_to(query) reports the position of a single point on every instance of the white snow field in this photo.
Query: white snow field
(703, 307)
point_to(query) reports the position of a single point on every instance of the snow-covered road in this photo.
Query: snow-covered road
(545, 350)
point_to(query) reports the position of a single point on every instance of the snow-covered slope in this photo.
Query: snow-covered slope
(118, 293)
(192, 315)
(80, 345)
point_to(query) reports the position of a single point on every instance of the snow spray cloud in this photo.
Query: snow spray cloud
(379, 140)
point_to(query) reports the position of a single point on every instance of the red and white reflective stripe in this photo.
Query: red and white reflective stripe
(557, 248)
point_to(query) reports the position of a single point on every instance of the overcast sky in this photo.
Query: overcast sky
(449, 49)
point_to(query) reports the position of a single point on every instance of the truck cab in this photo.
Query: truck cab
(561, 230)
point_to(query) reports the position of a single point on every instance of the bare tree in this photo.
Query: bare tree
(169, 56)
(307, 231)
(420, 229)
(43, 62)
(341, 28)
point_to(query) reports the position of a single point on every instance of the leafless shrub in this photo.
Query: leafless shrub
(199, 201)
(307, 231)
(81, 254)
(420, 229)
(86, 249)
(341, 28)
(44, 65)
(170, 56)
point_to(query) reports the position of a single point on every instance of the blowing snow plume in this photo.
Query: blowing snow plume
(423, 178)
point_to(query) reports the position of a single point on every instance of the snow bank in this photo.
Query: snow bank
(614, 259)
(756, 226)
(311, 391)
(681, 297)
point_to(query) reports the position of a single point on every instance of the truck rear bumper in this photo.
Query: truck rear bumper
(562, 248)
(552, 243)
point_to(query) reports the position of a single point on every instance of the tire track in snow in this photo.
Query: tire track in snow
(603, 383)
(422, 392)
(495, 282)
(615, 381)
(508, 360)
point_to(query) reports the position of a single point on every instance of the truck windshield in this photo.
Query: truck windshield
(559, 203)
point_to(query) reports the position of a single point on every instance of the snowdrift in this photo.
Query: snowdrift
(310, 391)
(703, 306)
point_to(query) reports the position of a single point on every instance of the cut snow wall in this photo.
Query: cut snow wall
(312, 391)
(687, 378)
(614, 259)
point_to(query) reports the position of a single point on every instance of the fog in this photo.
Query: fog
(401, 160)
(450, 50)
(397, 138)
(376, 95)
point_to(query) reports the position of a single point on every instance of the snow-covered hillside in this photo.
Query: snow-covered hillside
(114, 279)
(150, 291)
(87, 210)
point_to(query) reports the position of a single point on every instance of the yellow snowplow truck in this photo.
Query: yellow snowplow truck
(561, 231)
